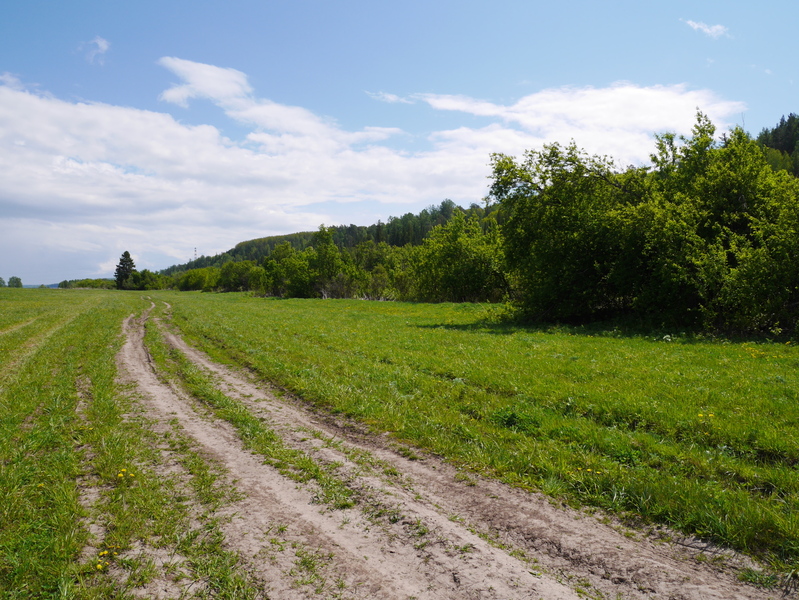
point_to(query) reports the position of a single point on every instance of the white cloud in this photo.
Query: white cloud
(390, 98)
(86, 181)
(96, 50)
(714, 31)
(12, 81)
(618, 120)
(204, 81)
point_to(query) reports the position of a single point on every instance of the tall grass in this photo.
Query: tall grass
(700, 435)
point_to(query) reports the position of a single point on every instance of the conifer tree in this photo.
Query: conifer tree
(124, 270)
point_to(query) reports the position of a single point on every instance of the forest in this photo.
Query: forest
(705, 237)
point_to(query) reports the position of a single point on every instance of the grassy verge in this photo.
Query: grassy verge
(700, 435)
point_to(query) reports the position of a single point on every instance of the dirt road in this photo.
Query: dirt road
(420, 528)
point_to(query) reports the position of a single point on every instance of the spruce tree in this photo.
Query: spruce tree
(124, 270)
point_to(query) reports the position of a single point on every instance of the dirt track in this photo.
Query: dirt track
(421, 529)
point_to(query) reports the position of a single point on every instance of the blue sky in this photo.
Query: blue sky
(158, 127)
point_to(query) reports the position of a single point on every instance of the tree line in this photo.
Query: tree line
(396, 231)
(13, 282)
(705, 236)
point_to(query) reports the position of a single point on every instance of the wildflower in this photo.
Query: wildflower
(701, 415)
(99, 566)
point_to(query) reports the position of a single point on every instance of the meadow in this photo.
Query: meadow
(696, 434)
(81, 488)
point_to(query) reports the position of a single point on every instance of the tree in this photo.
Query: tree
(14, 282)
(2, 282)
(559, 232)
(707, 236)
(459, 262)
(124, 270)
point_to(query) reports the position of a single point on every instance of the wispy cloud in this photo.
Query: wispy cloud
(204, 81)
(714, 31)
(96, 49)
(89, 180)
(390, 98)
(11, 81)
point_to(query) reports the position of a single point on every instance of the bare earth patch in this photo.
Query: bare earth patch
(420, 529)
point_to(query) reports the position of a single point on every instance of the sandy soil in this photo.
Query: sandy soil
(421, 529)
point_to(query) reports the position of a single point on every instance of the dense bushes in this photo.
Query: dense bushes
(707, 236)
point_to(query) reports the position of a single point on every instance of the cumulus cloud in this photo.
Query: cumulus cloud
(618, 120)
(714, 31)
(96, 50)
(86, 181)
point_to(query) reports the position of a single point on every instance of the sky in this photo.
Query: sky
(164, 127)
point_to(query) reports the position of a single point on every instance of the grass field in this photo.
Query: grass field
(699, 435)
(74, 452)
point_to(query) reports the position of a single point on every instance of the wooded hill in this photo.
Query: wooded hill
(397, 231)
(781, 144)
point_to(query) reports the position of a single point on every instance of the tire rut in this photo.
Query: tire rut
(367, 558)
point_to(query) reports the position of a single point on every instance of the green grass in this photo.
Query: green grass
(700, 435)
(254, 433)
(49, 350)
(67, 429)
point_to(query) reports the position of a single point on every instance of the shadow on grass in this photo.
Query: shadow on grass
(619, 327)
